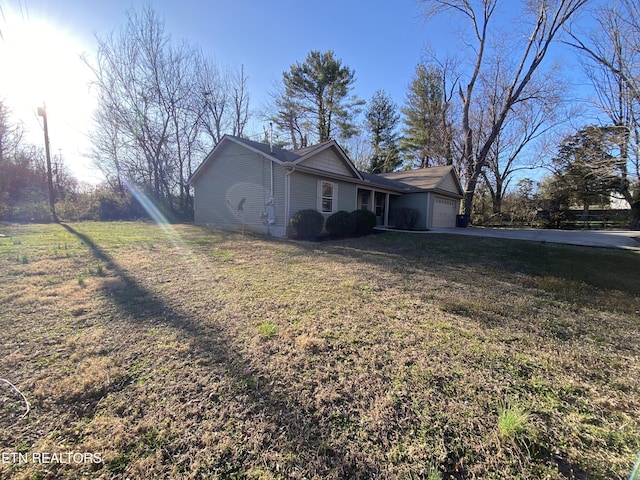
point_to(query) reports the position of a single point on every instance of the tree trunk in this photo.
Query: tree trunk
(497, 203)
(468, 195)
(634, 222)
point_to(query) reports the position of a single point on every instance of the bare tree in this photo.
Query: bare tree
(215, 92)
(611, 59)
(158, 103)
(129, 72)
(11, 133)
(225, 99)
(543, 110)
(548, 17)
(615, 44)
(107, 148)
(240, 98)
(359, 148)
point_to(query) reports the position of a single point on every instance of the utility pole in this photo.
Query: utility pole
(42, 112)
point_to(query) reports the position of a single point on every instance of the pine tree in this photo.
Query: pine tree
(382, 120)
(320, 87)
(424, 142)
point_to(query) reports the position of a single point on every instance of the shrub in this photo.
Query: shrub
(306, 224)
(341, 224)
(405, 218)
(115, 206)
(29, 211)
(365, 221)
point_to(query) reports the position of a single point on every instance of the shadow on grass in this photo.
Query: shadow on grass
(599, 268)
(306, 441)
(309, 443)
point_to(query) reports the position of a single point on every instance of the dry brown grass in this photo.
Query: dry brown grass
(391, 358)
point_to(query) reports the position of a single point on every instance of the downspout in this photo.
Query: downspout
(270, 160)
(271, 203)
(287, 195)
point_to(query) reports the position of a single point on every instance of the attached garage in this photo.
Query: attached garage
(444, 211)
(436, 192)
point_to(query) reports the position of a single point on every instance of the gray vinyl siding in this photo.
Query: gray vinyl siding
(419, 201)
(236, 173)
(448, 184)
(329, 162)
(304, 193)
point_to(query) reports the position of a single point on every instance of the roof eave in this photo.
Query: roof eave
(448, 193)
(255, 150)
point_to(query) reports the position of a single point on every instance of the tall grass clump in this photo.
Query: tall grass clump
(513, 422)
(268, 329)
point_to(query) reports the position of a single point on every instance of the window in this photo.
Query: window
(327, 197)
(364, 201)
(379, 205)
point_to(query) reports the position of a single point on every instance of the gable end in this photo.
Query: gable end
(330, 158)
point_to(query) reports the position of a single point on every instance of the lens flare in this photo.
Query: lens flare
(157, 216)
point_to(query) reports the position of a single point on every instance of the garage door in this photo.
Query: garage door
(444, 212)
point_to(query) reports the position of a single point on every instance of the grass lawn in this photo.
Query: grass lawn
(190, 353)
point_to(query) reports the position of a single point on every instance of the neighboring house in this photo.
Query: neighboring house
(246, 184)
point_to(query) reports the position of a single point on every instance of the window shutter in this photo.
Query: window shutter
(334, 203)
(319, 196)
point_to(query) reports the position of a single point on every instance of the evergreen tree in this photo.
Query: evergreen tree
(320, 88)
(587, 169)
(382, 120)
(424, 142)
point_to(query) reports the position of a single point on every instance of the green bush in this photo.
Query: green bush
(365, 221)
(341, 224)
(306, 224)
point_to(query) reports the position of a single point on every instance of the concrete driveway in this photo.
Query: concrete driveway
(591, 238)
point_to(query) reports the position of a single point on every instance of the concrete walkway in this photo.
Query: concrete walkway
(623, 239)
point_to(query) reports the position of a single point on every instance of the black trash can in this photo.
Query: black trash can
(462, 221)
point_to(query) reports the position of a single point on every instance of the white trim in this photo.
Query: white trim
(320, 197)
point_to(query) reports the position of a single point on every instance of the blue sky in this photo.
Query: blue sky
(381, 40)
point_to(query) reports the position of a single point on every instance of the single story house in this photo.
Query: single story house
(246, 184)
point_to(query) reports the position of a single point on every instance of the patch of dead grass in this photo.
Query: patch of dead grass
(392, 357)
